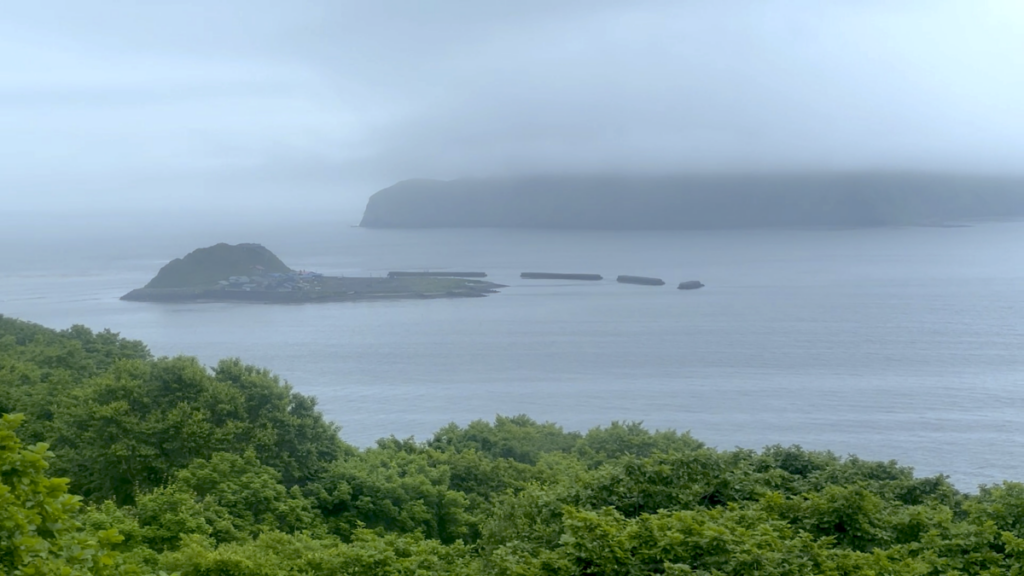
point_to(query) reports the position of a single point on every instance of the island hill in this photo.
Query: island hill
(252, 273)
(696, 201)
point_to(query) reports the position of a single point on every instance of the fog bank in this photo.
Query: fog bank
(273, 105)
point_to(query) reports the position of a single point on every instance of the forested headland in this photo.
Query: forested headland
(115, 462)
(696, 201)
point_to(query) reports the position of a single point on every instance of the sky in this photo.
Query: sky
(307, 104)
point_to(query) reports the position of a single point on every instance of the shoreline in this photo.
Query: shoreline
(342, 290)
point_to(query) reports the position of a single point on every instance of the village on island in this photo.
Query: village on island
(277, 281)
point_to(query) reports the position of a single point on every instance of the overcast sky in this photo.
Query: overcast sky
(150, 103)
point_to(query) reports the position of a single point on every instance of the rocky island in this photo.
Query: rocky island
(252, 273)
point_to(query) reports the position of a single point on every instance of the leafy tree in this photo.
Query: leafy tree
(39, 367)
(122, 422)
(285, 428)
(131, 429)
(39, 530)
(239, 498)
(518, 438)
(167, 515)
(631, 439)
(636, 486)
(393, 491)
(275, 554)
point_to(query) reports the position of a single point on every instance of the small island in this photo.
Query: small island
(252, 273)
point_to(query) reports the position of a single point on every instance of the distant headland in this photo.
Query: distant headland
(252, 273)
(693, 201)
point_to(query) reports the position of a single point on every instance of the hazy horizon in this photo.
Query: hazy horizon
(314, 105)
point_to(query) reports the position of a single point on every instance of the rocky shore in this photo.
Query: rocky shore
(342, 290)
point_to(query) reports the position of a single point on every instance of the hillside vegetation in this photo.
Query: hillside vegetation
(207, 266)
(177, 468)
(695, 201)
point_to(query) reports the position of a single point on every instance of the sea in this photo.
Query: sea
(897, 343)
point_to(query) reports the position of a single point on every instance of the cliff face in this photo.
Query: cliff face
(207, 266)
(694, 201)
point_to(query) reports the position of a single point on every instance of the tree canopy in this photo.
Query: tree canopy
(116, 462)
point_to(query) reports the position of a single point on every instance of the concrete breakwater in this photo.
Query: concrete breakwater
(400, 274)
(622, 279)
(642, 280)
(558, 276)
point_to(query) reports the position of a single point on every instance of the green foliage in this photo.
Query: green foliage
(275, 554)
(39, 367)
(517, 438)
(132, 428)
(238, 498)
(285, 429)
(619, 439)
(522, 439)
(165, 515)
(638, 486)
(394, 491)
(122, 422)
(40, 533)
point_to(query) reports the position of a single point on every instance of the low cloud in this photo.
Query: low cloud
(99, 100)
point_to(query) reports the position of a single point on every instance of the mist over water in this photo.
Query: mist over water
(889, 343)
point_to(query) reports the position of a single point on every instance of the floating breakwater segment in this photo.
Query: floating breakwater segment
(641, 280)
(622, 279)
(559, 276)
(400, 274)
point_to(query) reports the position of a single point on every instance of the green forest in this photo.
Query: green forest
(116, 462)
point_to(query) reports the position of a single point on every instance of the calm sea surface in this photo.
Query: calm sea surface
(902, 343)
